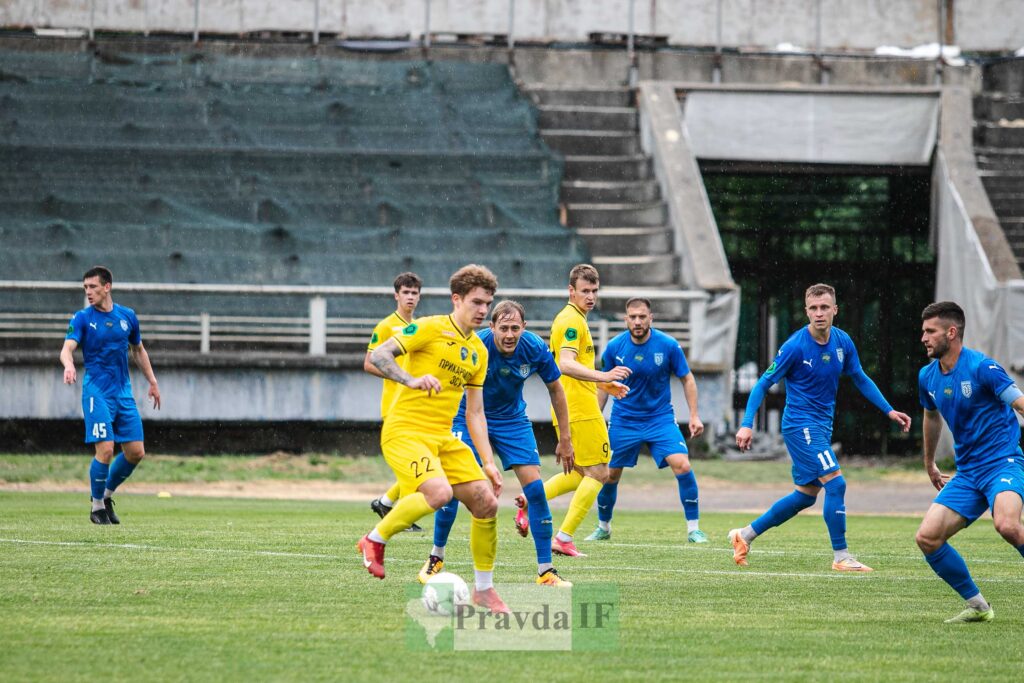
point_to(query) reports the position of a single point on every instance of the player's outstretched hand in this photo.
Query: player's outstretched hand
(696, 427)
(154, 393)
(616, 389)
(616, 373)
(427, 383)
(902, 419)
(744, 438)
(492, 473)
(938, 478)
(70, 375)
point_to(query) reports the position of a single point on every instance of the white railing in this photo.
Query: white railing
(316, 330)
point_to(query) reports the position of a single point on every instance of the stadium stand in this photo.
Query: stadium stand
(215, 169)
(999, 146)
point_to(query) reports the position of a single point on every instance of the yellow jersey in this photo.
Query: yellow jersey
(435, 346)
(386, 329)
(569, 330)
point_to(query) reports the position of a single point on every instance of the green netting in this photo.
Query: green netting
(292, 171)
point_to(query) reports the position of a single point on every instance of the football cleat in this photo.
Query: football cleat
(433, 566)
(551, 578)
(849, 564)
(108, 503)
(413, 527)
(99, 517)
(567, 548)
(697, 536)
(740, 548)
(522, 519)
(380, 508)
(489, 598)
(373, 556)
(599, 535)
(971, 615)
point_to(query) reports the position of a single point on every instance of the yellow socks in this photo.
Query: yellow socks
(582, 501)
(394, 492)
(483, 543)
(407, 511)
(562, 483)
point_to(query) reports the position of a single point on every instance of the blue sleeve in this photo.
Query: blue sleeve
(992, 376)
(76, 328)
(135, 332)
(867, 387)
(545, 363)
(922, 392)
(680, 368)
(774, 374)
(754, 402)
(851, 365)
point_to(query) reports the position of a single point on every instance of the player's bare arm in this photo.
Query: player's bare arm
(606, 381)
(564, 453)
(67, 359)
(476, 422)
(140, 357)
(932, 428)
(690, 392)
(383, 358)
(369, 367)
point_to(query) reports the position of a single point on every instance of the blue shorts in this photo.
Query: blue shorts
(970, 494)
(512, 441)
(110, 419)
(810, 449)
(662, 437)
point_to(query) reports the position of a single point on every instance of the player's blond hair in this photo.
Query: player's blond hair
(508, 308)
(583, 271)
(820, 289)
(467, 278)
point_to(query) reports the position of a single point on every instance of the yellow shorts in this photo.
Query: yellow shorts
(589, 441)
(415, 459)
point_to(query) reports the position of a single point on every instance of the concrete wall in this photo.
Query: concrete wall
(980, 25)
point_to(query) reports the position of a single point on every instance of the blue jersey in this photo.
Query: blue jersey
(653, 363)
(984, 428)
(812, 372)
(104, 339)
(503, 386)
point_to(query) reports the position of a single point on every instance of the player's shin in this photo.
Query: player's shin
(407, 510)
(444, 519)
(688, 496)
(561, 484)
(834, 512)
(120, 470)
(582, 501)
(540, 522)
(98, 473)
(951, 568)
(606, 504)
(783, 509)
(483, 544)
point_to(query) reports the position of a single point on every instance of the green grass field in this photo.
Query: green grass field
(217, 589)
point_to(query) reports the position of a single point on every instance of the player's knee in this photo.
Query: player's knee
(485, 506)
(105, 453)
(613, 476)
(927, 541)
(437, 495)
(681, 468)
(1009, 528)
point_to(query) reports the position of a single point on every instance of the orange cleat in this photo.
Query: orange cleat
(373, 556)
(851, 565)
(489, 598)
(522, 520)
(740, 548)
(567, 548)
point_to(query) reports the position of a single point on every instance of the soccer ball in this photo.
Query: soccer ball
(444, 593)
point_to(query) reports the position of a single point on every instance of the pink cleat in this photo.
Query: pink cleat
(488, 598)
(522, 520)
(373, 556)
(567, 548)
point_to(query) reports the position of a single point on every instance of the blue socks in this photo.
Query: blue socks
(835, 512)
(444, 519)
(785, 508)
(688, 495)
(606, 501)
(98, 478)
(540, 519)
(120, 470)
(951, 568)
(1020, 549)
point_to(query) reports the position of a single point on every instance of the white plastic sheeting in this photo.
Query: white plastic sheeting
(813, 127)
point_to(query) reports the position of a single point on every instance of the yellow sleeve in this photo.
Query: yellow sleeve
(417, 334)
(566, 333)
(381, 333)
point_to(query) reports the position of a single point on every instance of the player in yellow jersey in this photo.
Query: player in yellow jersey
(573, 348)
(445, 360)
(407, 298)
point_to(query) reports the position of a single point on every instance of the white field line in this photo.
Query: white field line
(577, 568)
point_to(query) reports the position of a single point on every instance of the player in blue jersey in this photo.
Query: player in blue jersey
(108, 334)
(811, 362)
(514, 354)
(977, 399)
(645, 414)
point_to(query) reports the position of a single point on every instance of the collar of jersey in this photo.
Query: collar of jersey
(576, 308)
(458, 329)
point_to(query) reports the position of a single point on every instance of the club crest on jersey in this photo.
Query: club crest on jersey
(839, 355)
(464, 352)
(571, 334)
(965, 388)
(410, 329)
(659, 358)
(475, 358)
(374, 338)
(504, 372)
(124, 325)
(948, 391)
(524, 370)
(639, 358)
(110, 324)
(826, 358)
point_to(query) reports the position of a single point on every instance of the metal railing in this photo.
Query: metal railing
(315, 331)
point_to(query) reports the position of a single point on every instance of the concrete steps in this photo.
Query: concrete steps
(582, 191)
(608, 168)
(629, 241)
